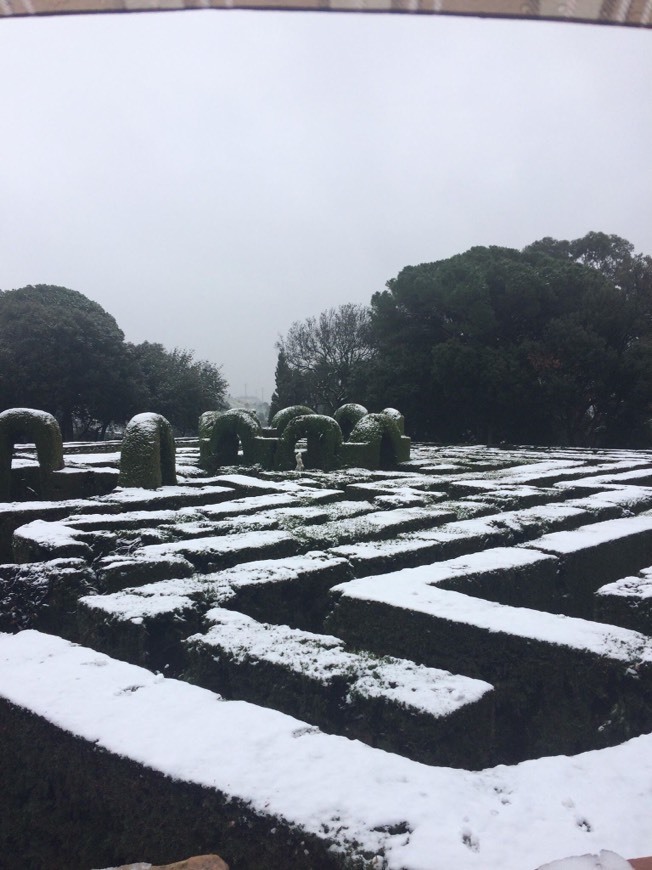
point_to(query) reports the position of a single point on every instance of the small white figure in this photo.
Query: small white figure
(300, 466)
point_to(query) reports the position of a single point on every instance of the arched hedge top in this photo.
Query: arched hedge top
(243, 420)
(348, 415)
(147, 455)
(219, 432)
(324, 440)
(397, 417)
(37, 426)
(282, 418)
(383, 433)
(372, 428)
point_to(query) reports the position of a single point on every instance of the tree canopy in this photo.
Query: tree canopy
(552, 344)
(548, 345)
(175, 385)
(63, 353)
(321, 359)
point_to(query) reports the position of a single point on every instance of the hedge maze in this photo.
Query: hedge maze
(465, 608)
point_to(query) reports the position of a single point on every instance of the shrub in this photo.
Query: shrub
(348, 415)
(281, 419)
(37, 426)
(398, 418)
(222, 432)
(324, 440)
(147, 457)
(383, 435)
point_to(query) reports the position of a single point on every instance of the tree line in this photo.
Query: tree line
(551, 344)
(548, 345)
(63, 353)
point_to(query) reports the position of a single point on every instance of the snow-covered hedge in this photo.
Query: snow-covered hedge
(220, 436)
(398, 418)
(348, 415)
(147, 457)
(283, 417)
(37, 426)
(324, 440)
(383, 436)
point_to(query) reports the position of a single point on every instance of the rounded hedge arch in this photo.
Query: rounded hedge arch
(381, 432)
(147, 455)
(37, 426)
(348, 415)
(281, 419)
(324, 441)
(398, 418)
(220, 436)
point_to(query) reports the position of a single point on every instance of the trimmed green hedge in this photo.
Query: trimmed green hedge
(283, 417)
(324, 440)
(348, 415)
(220, 436)
(147, 456)
(398, 418)
(37, 426)
(382, 434)
(359, 455)
(374, 440)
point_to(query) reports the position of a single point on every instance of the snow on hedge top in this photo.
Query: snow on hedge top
(636, 588)
(136, 606)
(163, 596)
(322, 658)
(138, 494)
(217, 543)
(425, 818)
(49, 534)
(245, 481)
(275, 570)
(415, 589)
(563, 543)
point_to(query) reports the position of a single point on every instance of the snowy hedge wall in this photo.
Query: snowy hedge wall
(324, 440)
(348, 415)
(147, 457)
(220, 436)
(37, 426)
(283, 417)
(381, 433)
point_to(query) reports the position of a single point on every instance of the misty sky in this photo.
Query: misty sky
(210, 177)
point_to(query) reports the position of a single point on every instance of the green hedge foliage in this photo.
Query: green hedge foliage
(283, 417)
(222, 432)
(147, 456)
(348, 415)
(324, 441)
(30, 425)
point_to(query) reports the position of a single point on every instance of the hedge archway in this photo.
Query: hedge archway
(37, 426)
(382, 433)
(281, 419)
(220, 436)
(398, 418)
(348, 415)
(324, 440)
(147, 455)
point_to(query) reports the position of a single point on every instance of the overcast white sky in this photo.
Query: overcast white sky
(210, 177)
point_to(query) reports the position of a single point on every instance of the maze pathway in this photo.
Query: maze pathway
(428, 625)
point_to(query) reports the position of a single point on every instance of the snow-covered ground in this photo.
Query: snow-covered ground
(506, 817)
(474, 538)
